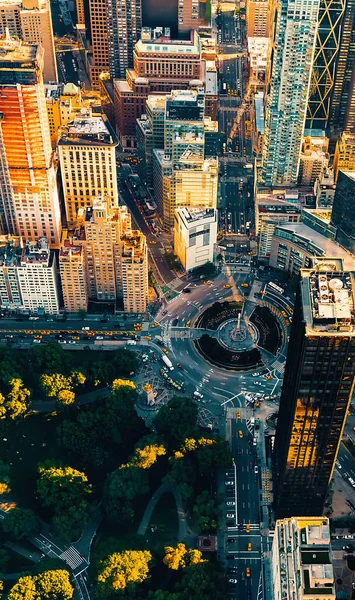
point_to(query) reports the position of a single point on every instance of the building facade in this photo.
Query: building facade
(343, 212)
(195, 236)
(98, 60)
(73, 274)
(124, 24)
(258, 13)
(33, 209)
(31, 21)
(134, 271)
(302, 559)
(28, 276)
(342, 110)
(324, 66)
(288, 83)
(344, 157)
(88, 163)
(317, 388)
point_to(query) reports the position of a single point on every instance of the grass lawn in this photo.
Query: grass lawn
(23, 445)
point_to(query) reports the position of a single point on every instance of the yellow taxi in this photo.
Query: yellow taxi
(269, 377)
(284, 314)
(247, 528)
(245, 284)
(249, 547)
(238, 414)
(29, 332)
(155, 324)
(75, 337)
(152, 242)
(37, 337)
(240, 433)
(227, 286)
(287, 322)
(247, 572)
(165, 351)
(207, 282)
(147, 337)
(187, 324)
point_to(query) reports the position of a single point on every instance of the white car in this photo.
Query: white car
(256, 469)
(230, 516)
(233, 581)
(230, 503)
(229, 483)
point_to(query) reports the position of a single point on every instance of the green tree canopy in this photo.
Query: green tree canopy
(61, 486)
(122, 488)
(50, 585)
(206, 512)
(212, 457)
(203, 581)
(124, 362)
(69, 524)
(48, 358)
(177, 420)
(19, 523)
(121, 569)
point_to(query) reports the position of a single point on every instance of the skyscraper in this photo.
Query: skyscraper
(288, 80)
(342, 111)
(30, 20)
(317, 388)
(88, 163)
(124, 24)
(98, 61)
(324, 63)
(343, 213)
(32, 209)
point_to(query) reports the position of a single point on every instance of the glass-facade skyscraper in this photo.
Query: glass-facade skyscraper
(287, 89)
(317, 388)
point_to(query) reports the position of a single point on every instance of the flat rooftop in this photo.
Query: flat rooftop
(192, 216)
(328, 301)
(167, 46)
(88, 130)
(313, 239)
(14, 51)
(350, 174)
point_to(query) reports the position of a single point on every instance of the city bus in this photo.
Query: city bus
(275, 287)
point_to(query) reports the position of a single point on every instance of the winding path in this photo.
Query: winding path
(184, 533)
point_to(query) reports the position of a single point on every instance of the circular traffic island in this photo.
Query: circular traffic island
(231, 341)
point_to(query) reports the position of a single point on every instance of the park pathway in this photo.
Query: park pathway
(184, 533)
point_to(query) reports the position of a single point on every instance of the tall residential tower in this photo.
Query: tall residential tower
(317, 388)
(287, 89)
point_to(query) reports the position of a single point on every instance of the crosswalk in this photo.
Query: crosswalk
(278, 366)
(250, 427)
(72, 557)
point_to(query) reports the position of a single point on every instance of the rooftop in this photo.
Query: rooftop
(14, 51)
(86, 129)
(328, 300)
(314, 242)
(36, 252)
(350, 174)
(167, 46)
(192, 216)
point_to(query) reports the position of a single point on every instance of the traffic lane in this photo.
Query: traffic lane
(347, 461)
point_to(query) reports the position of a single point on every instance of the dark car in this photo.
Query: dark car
(103, 320)
(186, 291)
(175, 321)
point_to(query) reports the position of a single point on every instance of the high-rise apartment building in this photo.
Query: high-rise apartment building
(185, 172)
(28, 276)
(98, 61)
(188, 15)
(195, 236)
(88, 163)
(159, 66)
(64, 102)
(258, 14)
(302, 559)
(73, 274)
(134, 271)
(317, 388)
(287, 89)
(344, 156)
(343, 212)
(124, 24)
(33, 209)
(30, 20)
(342, 110)
(324, 63)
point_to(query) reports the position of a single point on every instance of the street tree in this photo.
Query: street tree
(180, 557)
(177, 420)
(48, 358)
(66, 398)
(122, 383)
(17, 399)
(61, 486)
(19, 523)
(69, 524)
(50, 585)
(119, 416)
(124, 362)
(122, 569)
(4, 478)
(145, 457)
(212, 457)
(77, 378)
(206, 512)
(203, 581)
(122, 488)
(54, 383)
